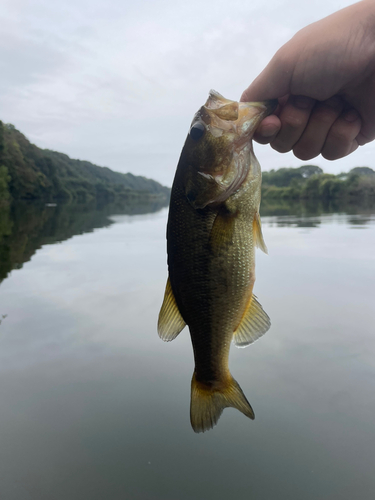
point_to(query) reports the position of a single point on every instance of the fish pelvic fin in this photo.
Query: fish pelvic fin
(258, 235)
(208, 402)
(170, 322)
(254, 323)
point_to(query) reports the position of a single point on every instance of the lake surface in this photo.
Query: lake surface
(93, 405)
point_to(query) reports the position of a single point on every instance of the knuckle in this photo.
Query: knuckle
(294, 121)
(343, 131)
(327, 112)
(334, 104)
(340, 135)
(325, 115)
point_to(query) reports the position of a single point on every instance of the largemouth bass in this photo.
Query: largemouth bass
(213, 229)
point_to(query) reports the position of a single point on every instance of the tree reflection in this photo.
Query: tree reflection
(25, 227)
(308, 213)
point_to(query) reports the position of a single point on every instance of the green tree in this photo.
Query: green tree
(2, 142)
(362, 171)
(308, 171)
(4, 183)
(331, 188)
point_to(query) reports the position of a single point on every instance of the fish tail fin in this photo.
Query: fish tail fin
(208, 402)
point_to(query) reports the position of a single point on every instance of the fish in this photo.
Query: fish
(212, 231)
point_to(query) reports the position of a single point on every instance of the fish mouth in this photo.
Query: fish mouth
(250, 115)
(222, 115)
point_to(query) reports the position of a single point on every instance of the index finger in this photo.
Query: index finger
(272, 83)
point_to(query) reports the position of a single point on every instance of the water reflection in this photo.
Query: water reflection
(26, 226)
(310, 214)
(311, 208)
(360, 220)
(93, 405)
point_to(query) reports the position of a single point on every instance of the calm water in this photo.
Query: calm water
(93, 405)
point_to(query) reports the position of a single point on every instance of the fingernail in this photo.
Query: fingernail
(351, 115)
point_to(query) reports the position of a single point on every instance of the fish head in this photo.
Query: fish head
(217, 151)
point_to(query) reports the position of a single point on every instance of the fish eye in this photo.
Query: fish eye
(197, 131)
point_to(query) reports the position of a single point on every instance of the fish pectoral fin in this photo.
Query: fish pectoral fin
(258, 236)
(222, 230)
(254, 323)
(170, 322)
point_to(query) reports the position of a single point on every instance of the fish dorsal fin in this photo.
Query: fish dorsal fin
(258, 236)
(255, 322)
(170, 321)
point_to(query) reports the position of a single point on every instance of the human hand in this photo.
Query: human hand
(324, 78)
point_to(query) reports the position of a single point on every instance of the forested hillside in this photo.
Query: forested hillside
(309, 182)
(28, 172)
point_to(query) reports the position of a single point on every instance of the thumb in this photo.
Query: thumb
(272, 83)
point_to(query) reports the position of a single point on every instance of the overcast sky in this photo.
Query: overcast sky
(118, 82)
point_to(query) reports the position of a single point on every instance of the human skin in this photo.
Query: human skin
(324, 79)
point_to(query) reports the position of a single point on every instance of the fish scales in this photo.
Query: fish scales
(213, 228)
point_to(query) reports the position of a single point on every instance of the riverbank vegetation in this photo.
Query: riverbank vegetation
(310, 183)
(30, 173)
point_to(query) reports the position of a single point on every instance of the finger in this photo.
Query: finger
(341, 139)
(353, 147)
(363, 139)
(273, 81)
(267, 130)
(293, 117)
(365, 134)
(270, 126)
(314, 136)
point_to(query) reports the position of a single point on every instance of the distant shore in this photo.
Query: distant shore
(31, 173)
(309, 182)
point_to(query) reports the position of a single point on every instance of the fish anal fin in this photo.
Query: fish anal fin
(254, 323)
(170, 321)
(258, 236)
(208, 402)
